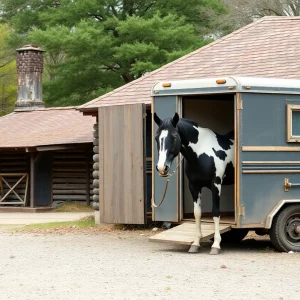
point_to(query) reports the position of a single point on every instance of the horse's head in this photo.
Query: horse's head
(168, 143)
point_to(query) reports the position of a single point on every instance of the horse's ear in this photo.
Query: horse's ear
(157, 120)
(175, 119)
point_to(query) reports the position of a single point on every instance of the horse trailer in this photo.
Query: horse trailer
(264, 114)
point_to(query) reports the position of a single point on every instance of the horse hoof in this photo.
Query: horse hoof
(215, 251)
(194, 249)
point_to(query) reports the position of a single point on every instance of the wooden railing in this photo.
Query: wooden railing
(4, 185)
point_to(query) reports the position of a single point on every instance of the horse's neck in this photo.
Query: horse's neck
(190, 132)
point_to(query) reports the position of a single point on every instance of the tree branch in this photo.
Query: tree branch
(97, 17)
(113, 11)
(7, 74)
(294, 8)
(270, 10)
(5, 64)
(148, 7)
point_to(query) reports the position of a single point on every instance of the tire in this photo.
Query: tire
(283, 234)
(234, 235)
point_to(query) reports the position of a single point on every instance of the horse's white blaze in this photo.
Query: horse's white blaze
(197, 214)
(162, 155)
(217, 236)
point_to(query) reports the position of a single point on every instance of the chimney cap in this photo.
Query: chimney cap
(30, 47)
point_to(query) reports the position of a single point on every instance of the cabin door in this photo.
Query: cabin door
(122, 164)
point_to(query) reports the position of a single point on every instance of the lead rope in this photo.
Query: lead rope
(166, 186)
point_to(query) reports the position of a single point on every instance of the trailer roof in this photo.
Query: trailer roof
(227, 84)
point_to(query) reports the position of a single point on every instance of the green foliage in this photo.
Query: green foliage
(95, 46)
(8, 77)
(88, 223)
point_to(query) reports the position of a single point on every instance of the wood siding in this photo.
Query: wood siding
(121, 164)
(72, 170)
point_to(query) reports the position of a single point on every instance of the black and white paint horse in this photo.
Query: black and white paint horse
(208, 162)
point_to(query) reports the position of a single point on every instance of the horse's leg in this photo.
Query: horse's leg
(216, 194)
(196, 194)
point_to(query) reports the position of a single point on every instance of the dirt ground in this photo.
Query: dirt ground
(125, 265)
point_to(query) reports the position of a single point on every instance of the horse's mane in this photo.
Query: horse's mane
(186, 125)
(186, 129)
(187, 122)
(183, 124)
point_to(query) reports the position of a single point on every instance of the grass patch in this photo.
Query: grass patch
(83, 223)
(74, 207)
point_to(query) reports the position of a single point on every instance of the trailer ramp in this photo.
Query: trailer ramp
(185, 233)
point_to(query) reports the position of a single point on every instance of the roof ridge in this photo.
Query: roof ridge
(56, 108)
(175, 61)
(48, 108)
(281, 17)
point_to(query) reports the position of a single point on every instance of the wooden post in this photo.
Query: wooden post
(32, 171)
(1, 187)
(88, 177)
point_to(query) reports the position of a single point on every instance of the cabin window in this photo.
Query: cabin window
(293, 123)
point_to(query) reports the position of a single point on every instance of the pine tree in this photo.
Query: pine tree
(8, 76)
(95, 46)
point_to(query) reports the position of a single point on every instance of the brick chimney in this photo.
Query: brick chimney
(30, 70)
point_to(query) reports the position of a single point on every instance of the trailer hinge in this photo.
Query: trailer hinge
(240, 104)
(241, 210)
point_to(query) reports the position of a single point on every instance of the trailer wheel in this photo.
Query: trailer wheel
(234, 235)
(285, 230)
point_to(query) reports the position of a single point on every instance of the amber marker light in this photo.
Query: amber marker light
(220, 81)
(166, 84)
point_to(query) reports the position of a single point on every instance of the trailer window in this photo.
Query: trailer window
(293, 123)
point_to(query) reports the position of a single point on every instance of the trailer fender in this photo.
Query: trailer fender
(275, 210)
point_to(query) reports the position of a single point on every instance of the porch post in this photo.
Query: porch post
(32, 171)
(87, 177)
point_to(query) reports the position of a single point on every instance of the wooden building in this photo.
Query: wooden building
(45, 153)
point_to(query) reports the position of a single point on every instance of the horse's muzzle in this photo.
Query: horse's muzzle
(163, 173)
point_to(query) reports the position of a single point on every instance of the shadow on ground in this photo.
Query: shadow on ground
(247, 245)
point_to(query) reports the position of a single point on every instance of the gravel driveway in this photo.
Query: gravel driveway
(125, 265)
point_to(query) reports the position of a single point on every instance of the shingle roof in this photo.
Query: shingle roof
(268, 47)
(51, 126)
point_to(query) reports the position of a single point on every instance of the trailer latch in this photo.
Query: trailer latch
(241, 210)
(288, 184)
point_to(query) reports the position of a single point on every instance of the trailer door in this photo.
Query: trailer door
(169, 210)
(122, 164)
